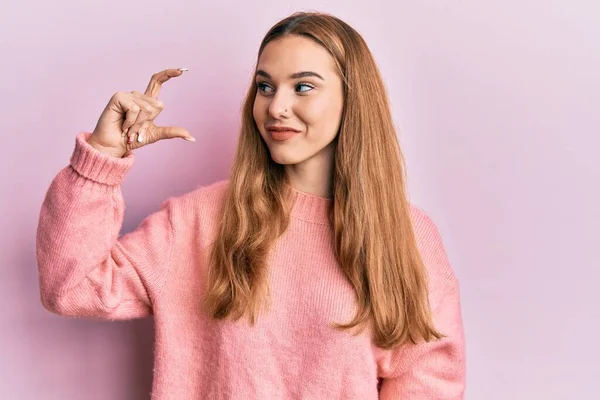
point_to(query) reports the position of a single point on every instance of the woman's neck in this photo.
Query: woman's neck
(313, 176)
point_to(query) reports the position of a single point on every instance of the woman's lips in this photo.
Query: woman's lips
(280, 136)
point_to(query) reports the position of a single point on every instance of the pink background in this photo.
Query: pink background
(497, 104)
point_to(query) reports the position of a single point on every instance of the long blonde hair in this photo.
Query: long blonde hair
(374, 240)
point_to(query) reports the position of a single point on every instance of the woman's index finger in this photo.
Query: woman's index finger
(153, 89)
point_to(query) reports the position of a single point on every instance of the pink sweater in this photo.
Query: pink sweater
(87, 270)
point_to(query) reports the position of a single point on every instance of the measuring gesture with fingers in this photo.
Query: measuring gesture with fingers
(127, 122)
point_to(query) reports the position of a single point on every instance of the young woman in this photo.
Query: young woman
(306, 275)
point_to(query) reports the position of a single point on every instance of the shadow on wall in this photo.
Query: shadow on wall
(72, 352)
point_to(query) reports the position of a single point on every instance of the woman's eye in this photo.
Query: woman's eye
(306, 87)
(267, 89)
(263, 87)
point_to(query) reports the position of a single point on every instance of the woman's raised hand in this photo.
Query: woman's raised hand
(127, 122)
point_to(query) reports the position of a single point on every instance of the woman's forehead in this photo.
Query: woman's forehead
(291, 54)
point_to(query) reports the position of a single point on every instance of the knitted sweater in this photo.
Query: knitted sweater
(87, 270)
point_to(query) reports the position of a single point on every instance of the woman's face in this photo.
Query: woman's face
(299, 101)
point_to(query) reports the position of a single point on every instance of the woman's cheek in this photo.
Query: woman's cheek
(316, 110)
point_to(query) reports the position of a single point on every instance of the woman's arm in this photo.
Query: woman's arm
(434, 370)
(85, 269)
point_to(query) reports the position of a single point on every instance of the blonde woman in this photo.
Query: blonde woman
(306, 275)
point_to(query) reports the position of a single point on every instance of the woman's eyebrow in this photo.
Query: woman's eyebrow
(295, 75)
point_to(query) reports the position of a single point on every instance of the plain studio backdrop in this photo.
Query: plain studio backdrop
(497, 109)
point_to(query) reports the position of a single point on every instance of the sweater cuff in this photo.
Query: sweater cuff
(97, 166)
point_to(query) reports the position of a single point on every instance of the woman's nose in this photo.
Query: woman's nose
(280, 106)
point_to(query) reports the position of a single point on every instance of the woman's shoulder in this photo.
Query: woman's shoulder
(207, 194)
(433, 252)
(200, 206)
(197, 213)
(426, 231)
(421, 220)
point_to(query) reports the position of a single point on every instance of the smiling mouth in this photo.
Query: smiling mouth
(282, 135)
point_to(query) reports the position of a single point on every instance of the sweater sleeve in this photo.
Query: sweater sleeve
(85, 269)
(434, 370)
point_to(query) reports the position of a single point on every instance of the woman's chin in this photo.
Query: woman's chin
(285, 158)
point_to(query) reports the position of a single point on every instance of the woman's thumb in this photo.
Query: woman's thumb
(172, 132)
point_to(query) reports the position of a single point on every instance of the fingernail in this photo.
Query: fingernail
(140, 138)
(182, 69)
(190, 139)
